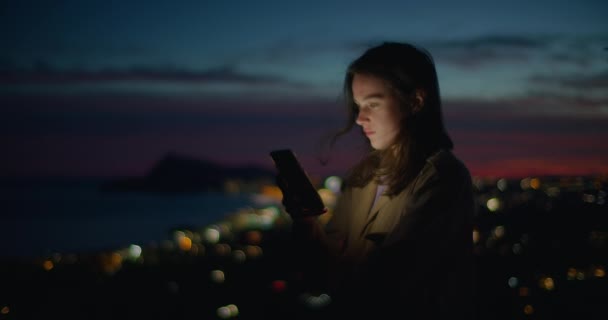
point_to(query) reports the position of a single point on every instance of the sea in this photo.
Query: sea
(42, 217)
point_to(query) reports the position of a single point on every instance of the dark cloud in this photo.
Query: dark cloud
(470, 52)
(94, 134)
(498, 41)
(581, 51)
(79, 51)
(120, 114)
(99, 134)
(579, 81)
(509, 138)
(540, 104)
(479, 51)
(45, 74)
(570, 58)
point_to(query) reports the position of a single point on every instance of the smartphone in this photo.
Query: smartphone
(298, 182)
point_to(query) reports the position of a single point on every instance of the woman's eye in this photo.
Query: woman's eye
(374, 105)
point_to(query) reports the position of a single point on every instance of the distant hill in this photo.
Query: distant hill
(177, 173)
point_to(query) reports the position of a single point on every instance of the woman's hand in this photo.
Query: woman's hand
(292, 203)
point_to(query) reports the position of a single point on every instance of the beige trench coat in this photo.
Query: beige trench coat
(411, 254)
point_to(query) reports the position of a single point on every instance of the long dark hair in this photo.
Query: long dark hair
(406, 69)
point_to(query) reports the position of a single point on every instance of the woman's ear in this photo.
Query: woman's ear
(419, 100)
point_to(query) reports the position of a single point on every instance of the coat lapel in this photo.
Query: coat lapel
(364, 197)
(385, 216)
(382, 201)
(365, 214)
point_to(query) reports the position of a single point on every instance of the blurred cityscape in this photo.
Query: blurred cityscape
(541, 245)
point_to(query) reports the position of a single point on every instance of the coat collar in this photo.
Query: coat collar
(363, 212)
(363, 197)
(382, 201)
(379, 220)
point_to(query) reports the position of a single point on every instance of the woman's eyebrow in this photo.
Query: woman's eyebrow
(371, 96)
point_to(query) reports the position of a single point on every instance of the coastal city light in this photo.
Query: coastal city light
(227, 312)
(48, 265)
(279, 286)
(493, 204)
(315, 301)
(5, 310)
(252, 248)
(502, 184)
(329, 197)
(212, 234)
(239, 256)
(476, 236)
(217, 276)
(134, 252)
(333, 183)
(253, 251)
(547, 283)
(499, 232)
(222, 249)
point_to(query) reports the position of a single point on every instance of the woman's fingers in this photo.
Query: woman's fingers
(289, 201)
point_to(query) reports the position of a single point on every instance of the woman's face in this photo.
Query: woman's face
(379, 112)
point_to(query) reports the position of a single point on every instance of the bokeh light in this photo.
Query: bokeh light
(212, 234)
(328, 197)
(502, 184)
(517, 248)
(48, 265)
(228, 311)
(222, 249)
(476, 236)
(278, 286)
(134, 251)
(546, 283)
(499, 232)
(524, 291)
(535, 183)
(253, 251)
(333, 183)
(239, 256)
(315, 301)
(493, 204)
(218, 276)
(580, 275)
(599, 272)
(5, 310)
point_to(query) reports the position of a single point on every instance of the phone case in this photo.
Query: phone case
(300, 187)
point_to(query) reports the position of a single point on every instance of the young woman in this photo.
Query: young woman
(399, 241)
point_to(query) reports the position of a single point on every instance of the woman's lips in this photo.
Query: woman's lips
(368, 133)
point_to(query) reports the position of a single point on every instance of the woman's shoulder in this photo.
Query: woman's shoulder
(444, 165)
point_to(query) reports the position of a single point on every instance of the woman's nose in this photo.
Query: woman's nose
(362, 117)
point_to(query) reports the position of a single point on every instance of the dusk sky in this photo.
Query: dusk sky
(107, 88)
